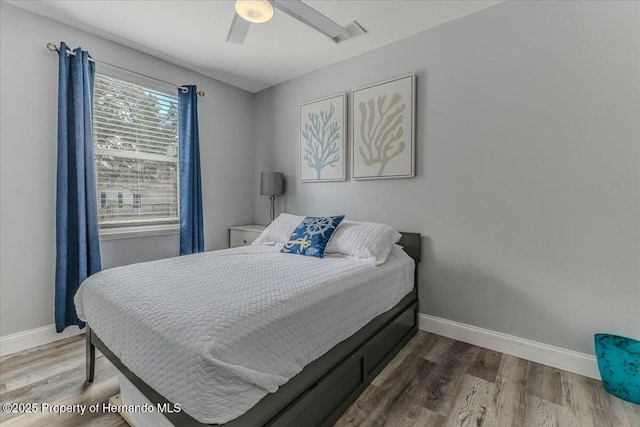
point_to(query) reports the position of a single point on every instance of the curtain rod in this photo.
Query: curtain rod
(53, 48)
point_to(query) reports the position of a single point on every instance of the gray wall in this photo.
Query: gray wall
(528, 166)
(28, 154)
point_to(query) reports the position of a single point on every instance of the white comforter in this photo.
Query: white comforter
(217, 331)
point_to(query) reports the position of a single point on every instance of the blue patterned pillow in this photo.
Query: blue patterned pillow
(312, 235)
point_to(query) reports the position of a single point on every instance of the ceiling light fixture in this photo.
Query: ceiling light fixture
(256, 11)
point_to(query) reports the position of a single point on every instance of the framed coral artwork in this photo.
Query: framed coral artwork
(383, 129)
(323, 139)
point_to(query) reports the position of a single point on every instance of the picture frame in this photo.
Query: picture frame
(383, 129)
(323, 139)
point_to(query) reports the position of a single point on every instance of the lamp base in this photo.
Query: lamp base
(272, 212)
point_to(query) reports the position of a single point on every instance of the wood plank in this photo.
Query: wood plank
(397, 398)
(411, 350)
(474, 405)
(70, 382)
(364, 407)
(380, 403)
(437, 391)
(486, 365)
(98, 392)
(45, 354)
(413, 415)
(542, 413)
(58, 377)
(68, 361)
(437, 347)
(632, 411)
(376, 408)
(545, 382)
(590, 403)
(510, 398)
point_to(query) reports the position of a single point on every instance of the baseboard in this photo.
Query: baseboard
(557, 357)
(25, 340)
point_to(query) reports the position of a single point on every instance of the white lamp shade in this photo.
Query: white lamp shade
(256, 11)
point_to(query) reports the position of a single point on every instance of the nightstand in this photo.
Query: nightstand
(243, 235)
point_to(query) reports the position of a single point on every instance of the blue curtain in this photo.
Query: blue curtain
(77, 238)
(191, 227)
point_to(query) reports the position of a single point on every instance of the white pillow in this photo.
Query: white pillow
(367, 241)
(279, 230)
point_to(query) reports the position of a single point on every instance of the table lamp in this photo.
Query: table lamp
(272, 185)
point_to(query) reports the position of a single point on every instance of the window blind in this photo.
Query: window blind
(135, 131)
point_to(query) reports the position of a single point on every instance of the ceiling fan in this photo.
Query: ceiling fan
(260, 11)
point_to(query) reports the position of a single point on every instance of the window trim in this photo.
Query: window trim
(133, 231)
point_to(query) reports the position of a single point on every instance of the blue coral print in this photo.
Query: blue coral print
(320, 137)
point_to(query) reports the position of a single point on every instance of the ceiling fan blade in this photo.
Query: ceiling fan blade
(238, 30)
(311, 17)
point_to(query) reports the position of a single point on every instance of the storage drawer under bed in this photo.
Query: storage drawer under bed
(380, 345)
(352, 375)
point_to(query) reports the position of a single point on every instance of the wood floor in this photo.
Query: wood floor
(433, 381)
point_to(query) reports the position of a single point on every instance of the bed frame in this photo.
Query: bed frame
(325, 388)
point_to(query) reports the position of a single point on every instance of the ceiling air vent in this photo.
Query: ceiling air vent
(353, 30)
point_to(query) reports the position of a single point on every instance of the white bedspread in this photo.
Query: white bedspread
(217, 331)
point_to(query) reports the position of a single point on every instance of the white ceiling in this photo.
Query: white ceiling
(193, 33)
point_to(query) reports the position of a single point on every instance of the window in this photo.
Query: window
(137, 200)
(135, 133)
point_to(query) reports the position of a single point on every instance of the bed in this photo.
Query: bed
(245, 391)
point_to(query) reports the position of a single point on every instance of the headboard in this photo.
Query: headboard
(411, 245)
